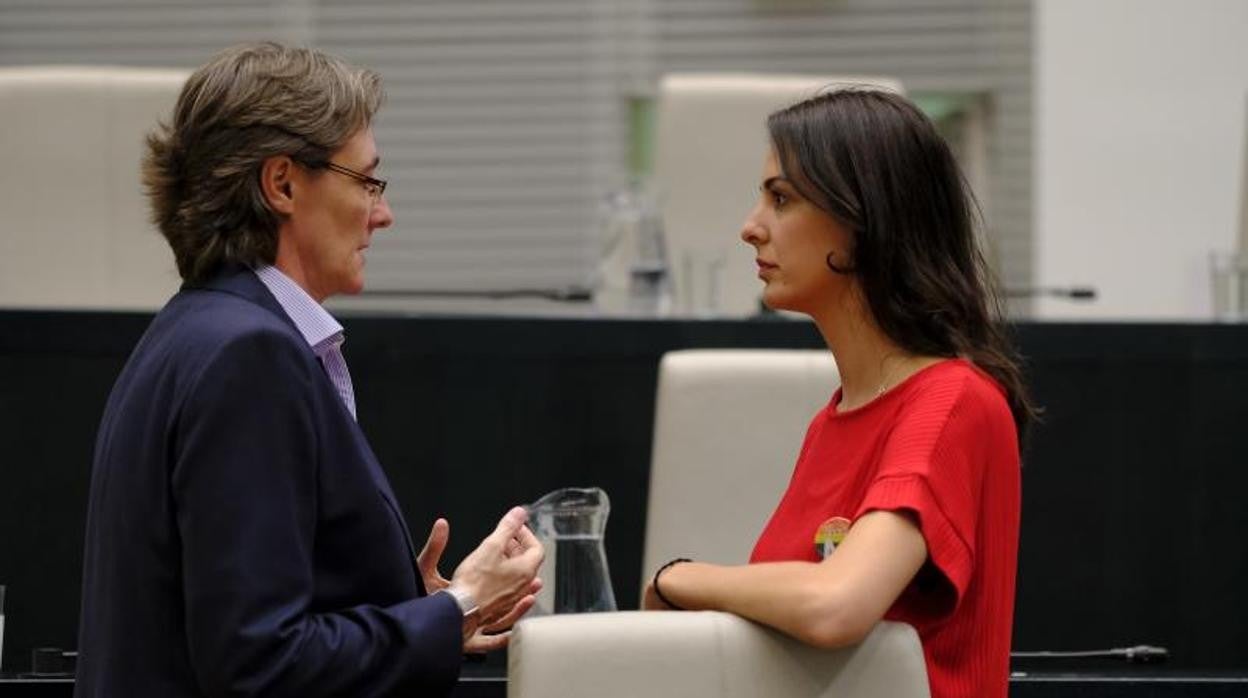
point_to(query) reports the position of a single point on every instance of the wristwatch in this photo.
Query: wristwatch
(468, 607)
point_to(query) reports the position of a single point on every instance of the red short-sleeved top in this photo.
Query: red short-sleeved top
(943, 447)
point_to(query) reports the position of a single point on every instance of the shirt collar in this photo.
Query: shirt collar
(317, 326)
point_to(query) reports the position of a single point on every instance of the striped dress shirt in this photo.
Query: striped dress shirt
(318, 327)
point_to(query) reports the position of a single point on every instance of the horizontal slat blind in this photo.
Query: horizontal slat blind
(931, 45)
(502, 127)
(505, 120)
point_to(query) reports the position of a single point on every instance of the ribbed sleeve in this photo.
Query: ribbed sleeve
(947, 547)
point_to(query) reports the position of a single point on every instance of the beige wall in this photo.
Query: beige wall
(1140, 130)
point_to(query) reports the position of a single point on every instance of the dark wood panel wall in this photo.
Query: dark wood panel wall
(1134, 484)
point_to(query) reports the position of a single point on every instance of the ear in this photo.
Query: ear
(275, 183)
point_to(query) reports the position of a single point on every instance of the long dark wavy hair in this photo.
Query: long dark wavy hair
(876, 164)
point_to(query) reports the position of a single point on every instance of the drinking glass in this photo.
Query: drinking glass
(1, 627)
(1228, 272)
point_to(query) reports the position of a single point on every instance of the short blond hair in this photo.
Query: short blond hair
(250, 102)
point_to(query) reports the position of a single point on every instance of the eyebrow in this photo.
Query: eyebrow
(771, 181)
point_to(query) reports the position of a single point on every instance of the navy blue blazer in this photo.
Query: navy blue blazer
(241, 537)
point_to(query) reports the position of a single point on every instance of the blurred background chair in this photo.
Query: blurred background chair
(76, 231)
(610, 655)
(709, 146)
(728, 426)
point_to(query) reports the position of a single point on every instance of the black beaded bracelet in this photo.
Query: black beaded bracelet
(655, 583)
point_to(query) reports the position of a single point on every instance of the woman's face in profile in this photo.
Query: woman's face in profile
(333, 223)
(792, 238)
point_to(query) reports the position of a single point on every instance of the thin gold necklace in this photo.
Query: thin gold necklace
(889, 375)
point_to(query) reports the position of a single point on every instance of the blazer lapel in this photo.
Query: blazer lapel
(387, 495)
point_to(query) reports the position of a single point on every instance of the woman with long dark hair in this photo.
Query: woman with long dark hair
(904, 503)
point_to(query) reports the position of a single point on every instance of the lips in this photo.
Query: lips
(764, 265)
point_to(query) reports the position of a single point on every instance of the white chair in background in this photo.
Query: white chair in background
(710, 142)
(76, 231)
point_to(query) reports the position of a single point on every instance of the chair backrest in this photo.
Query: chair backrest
(655, 654)
(728, 426)
(710, 142)
(76, 230)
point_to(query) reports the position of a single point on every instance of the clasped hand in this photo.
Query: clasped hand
(501, 576)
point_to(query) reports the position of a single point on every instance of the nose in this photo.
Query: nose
(381, 216)
(752, 231)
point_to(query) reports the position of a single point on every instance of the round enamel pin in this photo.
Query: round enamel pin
(829, 535)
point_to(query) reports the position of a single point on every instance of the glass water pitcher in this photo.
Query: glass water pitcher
(570, 523)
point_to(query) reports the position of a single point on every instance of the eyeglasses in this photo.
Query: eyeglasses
(375, 187)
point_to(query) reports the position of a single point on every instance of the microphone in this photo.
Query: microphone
(1073, 293)
(1139, 654)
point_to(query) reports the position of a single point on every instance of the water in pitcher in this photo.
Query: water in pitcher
(571, 523)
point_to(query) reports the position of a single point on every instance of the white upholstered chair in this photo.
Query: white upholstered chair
(688, 655)
(710, 141)
(728, 425)
(76, 231)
